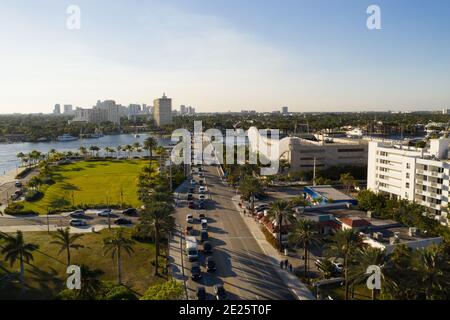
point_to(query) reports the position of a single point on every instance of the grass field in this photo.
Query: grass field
(91, 182)
(45, 276)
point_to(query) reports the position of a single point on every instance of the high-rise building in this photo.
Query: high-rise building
(68, 109)
(162, 111)
(57, 109)
(111, 108)
(415, 174)
(106, 111)
(182, 109)
(284, 110)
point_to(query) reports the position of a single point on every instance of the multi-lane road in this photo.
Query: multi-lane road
(242, 267)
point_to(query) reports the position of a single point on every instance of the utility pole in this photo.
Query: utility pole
(314, 172)
(182, 263)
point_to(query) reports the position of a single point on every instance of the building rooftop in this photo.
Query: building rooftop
(328, 192)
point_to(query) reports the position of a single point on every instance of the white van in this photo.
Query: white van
(191, 248)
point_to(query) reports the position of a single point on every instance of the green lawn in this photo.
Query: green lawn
(91, 183)
(45, 275)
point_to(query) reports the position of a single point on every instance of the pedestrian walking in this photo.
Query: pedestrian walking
(286, 262)
(281, 264)
(290, 267)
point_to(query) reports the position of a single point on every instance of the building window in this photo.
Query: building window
(407, 185)
(407, 175)
(408, 166)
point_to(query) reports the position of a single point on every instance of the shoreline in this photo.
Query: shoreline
(10, 176)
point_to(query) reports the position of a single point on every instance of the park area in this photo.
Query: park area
(45, 275)
(90, 183)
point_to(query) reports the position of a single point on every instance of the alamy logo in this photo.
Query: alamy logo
(208, 147)
(374, 279)
(374, 20)
(74, 17)
(74, 279)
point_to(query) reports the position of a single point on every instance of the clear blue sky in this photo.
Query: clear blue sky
(226, 55)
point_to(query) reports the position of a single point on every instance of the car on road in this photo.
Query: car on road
(202, 182)
(189, 230)
(104, 213)
(201, 175)
(202, 197)
(201, 205)
(204, 236)
(77, 223)
(78, 214)
(122, 221)
(191, 205)
(16, 195)
(18, 184)
(201, 216)
(190, 196)
(201, 293)
(219, 292)
(191, 190)
(202, 189)
(130, 212)
(190, 218)
(207, 247)
(210, 264)
(196, 273)
(204, 224)
(193, 182)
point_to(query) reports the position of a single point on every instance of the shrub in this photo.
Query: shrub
(170, 290)
(33, 195)
(269, 237)
(16, 209)
(118, 292)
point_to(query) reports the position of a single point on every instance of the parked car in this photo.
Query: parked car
(130, 212)
(78, 214)
(201, 216)
(202, 197)
(201, 205)
(191, 205)
(207, 247)
(201, 293)
(204, 236)
(190, 218)
(193, 182)
(104, 213)
(191, 190)
(261, 207)
(18, 184)
(202, 182)
(196, 273)
(202, 189)
(122, 221)
(219, 292)
(204, 223)
(339, 267)
(201, 174)
(210, 264)
(77, 223)
(190, 196)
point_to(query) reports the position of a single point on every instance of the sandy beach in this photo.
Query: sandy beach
(10, 176)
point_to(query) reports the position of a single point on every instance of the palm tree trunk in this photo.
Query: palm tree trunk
(68, 256)
(346, 278)
(22, 273)
(156, 249)
(306, 260)
(119, 266)
(279, 233)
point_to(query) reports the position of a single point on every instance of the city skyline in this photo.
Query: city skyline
(309, 56)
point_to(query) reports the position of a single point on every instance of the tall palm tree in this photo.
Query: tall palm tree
(115, 245)
(149, 144)
(348, 181)
(15, 248)
(83, 151)
(91, 285)
(304, 233)
(344, 244)
(281, 211)
(157, 216)
(118, 148)
(66, 241)
(161, 152)
(368, 256)
(433, 269)
(21, 157)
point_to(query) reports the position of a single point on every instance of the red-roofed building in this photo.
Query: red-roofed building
(354, 223)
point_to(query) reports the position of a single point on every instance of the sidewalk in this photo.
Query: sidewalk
(53, 227)
(297, 288)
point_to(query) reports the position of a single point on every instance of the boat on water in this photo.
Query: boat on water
(67, 137)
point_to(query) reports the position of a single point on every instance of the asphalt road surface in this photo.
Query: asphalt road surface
(241, 265)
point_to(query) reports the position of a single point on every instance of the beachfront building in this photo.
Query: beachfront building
(414, 174)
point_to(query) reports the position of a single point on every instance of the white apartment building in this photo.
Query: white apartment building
(162, 111)
(419, 175)
(106, 111)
